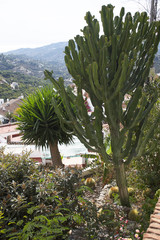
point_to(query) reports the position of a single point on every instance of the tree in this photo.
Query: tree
(151, 7)
(108, 67)
(153, 10)
(39, 123)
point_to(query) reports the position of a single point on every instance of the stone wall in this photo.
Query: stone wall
(153, 231)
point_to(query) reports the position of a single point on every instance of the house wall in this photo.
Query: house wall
(5, 128)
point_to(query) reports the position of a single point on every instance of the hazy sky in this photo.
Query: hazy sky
(34, 23)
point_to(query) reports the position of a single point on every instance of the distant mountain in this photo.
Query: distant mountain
(22, 64)
(26, 68)
(53, 57)
(50, 57)
(50, 53)
(21, 72)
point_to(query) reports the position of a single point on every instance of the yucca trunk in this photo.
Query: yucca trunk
(55, 155)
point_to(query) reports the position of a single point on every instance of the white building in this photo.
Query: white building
(1, 101)
(14, 85)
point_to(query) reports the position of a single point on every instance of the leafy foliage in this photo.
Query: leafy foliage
(38, 203)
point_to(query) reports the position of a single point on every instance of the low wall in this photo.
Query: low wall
(153, 231)
(10, 127)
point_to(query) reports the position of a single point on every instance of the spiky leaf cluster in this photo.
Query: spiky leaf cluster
(37, 120)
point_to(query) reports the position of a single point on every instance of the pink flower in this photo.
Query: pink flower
(126, 221)
(136, 235)
(137, 231)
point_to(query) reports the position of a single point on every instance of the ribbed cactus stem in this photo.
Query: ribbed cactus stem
(108, 67)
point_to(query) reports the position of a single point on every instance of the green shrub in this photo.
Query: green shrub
(90, 182)
(43, 203)
(148, 166)
(16, 168)
(147, 209)
(148, 169)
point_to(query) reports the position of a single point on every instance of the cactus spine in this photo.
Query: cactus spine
(108, 67)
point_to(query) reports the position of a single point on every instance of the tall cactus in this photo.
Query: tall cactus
(108, 67)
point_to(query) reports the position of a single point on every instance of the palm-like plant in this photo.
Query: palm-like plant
(39, 123)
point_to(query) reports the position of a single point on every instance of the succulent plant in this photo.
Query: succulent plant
(113, 190)
(133, 215)
(108, 67)
(90, 182)
(131, 191)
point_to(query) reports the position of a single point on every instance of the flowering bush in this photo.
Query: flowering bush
(126, 229)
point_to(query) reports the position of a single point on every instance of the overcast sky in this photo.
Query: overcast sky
(34, 23)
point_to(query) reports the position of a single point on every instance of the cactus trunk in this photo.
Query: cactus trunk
(122, 184)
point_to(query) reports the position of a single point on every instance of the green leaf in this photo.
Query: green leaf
(19, 223)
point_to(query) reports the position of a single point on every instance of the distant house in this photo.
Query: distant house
(10, 106)
(14, 85)
(2, 118)
(1, 101)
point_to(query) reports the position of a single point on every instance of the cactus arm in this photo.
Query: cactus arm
(131, 106)
(84, 132)
(96, 77)
(143, 139)
(113, 65)
(139, 113)
(82, 45)
(107, 20)
(118, 22)
(127, 146)
(121, 79)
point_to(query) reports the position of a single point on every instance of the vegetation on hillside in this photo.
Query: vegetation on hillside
(26, 84)
(27, 72)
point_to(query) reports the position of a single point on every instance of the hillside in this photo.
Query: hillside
(26, 67)
(33, 61)
(53, 56)
(53, 53)
(24, 84)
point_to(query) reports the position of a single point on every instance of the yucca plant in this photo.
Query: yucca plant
(39, 123)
